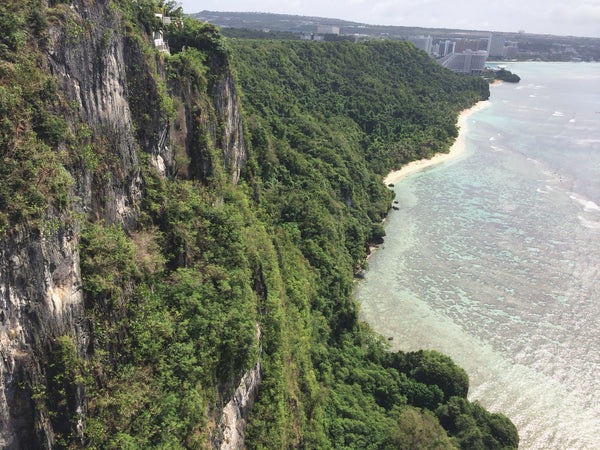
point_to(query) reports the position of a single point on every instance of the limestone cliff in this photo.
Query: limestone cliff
(41, 298)
(233, 420)
(111, 86)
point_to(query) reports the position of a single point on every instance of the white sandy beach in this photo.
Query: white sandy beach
(456, 150)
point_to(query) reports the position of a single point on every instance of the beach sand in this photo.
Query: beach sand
(457, 149)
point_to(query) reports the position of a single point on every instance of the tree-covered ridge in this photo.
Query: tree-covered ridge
(213, 276)
(403, 102)
(325, 122)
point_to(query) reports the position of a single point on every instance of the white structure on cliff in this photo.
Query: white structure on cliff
(159, 41)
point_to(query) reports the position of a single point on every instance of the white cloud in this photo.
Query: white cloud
(585, 13)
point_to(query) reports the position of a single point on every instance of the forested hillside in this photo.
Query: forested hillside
(326, 121)
(168, 248)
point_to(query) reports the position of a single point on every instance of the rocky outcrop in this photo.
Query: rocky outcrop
(230, 114)
(235, 413)
(109, 88)
(40, 299)
(40, 283)
(90, 69)
(232, 426)
(211, 120)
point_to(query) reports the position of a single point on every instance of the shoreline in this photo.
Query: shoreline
(456, 150)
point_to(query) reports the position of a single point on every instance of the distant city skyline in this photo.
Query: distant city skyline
(558, 17)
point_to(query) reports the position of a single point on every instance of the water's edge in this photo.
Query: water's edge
(491, 260)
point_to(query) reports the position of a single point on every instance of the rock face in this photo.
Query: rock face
(105, 73)
(91, 71)
(203, 126)
(233, 420)
(228, 108)
(40, 299)
(232, 426)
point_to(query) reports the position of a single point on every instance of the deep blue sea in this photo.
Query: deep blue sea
(494, 258)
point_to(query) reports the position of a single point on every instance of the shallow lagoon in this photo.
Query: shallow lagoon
(494, 259)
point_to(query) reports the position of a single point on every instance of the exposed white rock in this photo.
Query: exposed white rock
(233, 420)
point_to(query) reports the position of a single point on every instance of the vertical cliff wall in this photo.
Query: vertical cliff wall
(111, 92)
(228, 108)
(133, 272)
(41, 299)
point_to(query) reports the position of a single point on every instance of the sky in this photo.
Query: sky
(559, 17)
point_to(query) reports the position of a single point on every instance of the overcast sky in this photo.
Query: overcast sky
(561, 17)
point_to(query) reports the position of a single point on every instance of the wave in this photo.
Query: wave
(558, 114)
(591, 224)
(588, 141)
(588, 205)
(545, 191)
(530, 86)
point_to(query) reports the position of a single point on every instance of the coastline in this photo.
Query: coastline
(457, 149)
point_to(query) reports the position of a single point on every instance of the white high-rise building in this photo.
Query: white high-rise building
(422, 42)
(496, 46)
(465, 62)
(446, 47)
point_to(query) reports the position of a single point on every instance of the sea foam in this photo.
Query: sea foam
(588, 205)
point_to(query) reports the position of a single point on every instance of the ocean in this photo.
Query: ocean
(494, 258)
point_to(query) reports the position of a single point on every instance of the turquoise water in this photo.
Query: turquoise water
(494, 258)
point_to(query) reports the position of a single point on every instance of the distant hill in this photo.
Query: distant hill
(307, 24)
(530, 46)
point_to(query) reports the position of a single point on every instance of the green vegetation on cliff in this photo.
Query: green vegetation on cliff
(507, 75)
(31, 171)
(402, 103)
(501, 74)
(213, 276)
(325, 122)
